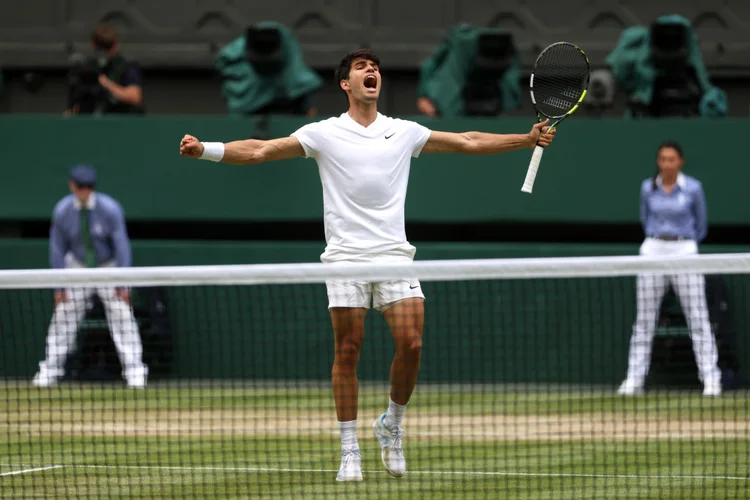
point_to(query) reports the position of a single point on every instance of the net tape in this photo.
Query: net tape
(432, 270)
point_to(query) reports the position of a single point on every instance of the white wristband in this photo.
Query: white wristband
(212, 151)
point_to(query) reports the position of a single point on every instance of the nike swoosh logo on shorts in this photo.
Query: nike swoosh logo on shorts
(389, 136)
(413, 287)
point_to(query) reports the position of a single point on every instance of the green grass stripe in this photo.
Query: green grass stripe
(687, 459)
(456, 400)
(658, 469)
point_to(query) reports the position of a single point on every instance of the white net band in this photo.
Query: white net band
(442, 270)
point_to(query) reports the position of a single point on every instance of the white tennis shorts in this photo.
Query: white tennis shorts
(381, 295)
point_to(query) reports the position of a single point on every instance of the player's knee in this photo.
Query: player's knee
(412, 345)
(415, 347)
(347, 352)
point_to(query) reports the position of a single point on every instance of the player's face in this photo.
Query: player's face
(364, 81)
(669, 161)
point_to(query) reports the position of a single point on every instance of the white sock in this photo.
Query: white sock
(394, 415)
(349, 435)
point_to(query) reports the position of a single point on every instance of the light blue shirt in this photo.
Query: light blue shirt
(680, 213)
(106, 225)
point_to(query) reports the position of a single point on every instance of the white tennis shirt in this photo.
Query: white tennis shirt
(364, 172)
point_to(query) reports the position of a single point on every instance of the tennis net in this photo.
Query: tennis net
(521, 364)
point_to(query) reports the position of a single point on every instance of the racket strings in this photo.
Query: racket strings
(560, 77)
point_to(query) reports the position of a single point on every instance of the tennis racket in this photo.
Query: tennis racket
(559, 81)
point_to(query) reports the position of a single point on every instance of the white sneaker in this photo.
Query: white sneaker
(137, 382)
(630, 388)
(351, 466)
(42, 379)
(390, 441)
(712, 389)
(136, 378)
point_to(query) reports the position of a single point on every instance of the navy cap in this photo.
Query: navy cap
(83, 175)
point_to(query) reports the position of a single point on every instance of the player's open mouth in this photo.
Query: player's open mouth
(371, 82)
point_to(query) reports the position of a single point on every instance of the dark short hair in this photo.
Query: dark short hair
(671, 145)
(104, 36)
(342, 72)
(665, 145)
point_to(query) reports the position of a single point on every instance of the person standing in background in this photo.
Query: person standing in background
(88, 230)
(673, 214)
(104, 82)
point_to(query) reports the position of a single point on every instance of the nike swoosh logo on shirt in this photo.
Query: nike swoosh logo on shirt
(413, 287)
(389, 136)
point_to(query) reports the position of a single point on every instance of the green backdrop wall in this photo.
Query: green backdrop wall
(592, 173)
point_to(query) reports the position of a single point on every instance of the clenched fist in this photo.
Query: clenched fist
(190, 146)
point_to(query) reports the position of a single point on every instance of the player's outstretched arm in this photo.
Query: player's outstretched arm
(481, 143)
(248, 152)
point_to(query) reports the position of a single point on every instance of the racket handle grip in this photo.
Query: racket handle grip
(536, 158)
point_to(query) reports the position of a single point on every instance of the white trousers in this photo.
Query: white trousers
(691, 290)
(122, 326)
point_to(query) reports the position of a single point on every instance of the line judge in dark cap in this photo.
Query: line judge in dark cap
(88, 230)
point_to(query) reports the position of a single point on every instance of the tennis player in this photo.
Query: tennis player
(364, 158)
(673, 213)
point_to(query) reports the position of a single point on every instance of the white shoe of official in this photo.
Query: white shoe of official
(712, 389)
(137, 382)
(351, 466)
(42, 379)
(136, 379)
(630, 388)
(390, 442)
